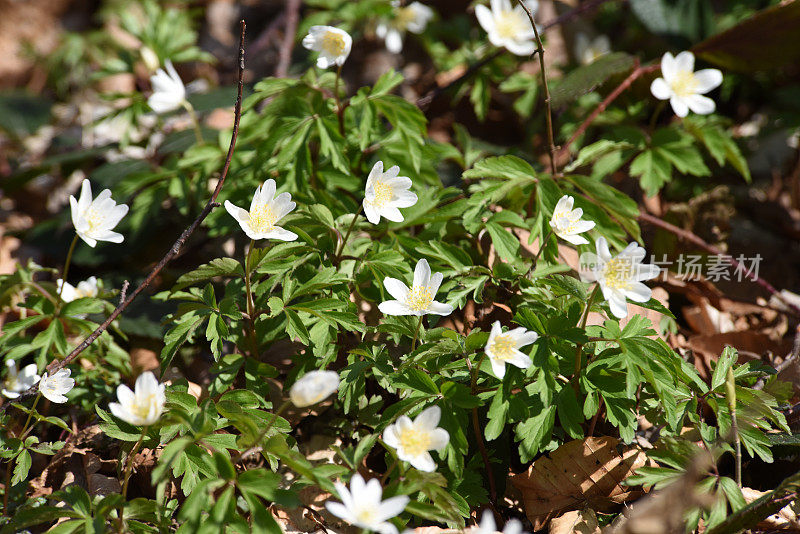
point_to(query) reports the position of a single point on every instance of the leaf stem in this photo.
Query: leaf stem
(261, 434)
(65, 272)
(251, 320)
(198, 133)
(416, 334)
(339, 108)
(349, 231)
(582, 326)
(542, 244)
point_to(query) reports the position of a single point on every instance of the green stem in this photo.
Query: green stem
(251, 320)
(198, 133)
(349, 231)
(542, 244)
(388, 472)
(22, 435)
(339, 109)
(65, 272)
(656, 114)
(261, 434)
(127, 477)
(416, 334)
(582, 326)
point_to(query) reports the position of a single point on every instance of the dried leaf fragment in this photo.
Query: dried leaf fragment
(580, 473)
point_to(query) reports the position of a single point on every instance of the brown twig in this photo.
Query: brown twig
(425, 101)
(285, 53)
(637, 72)
(55, 365)
(689, 236)
(551, 145)
(123, 292)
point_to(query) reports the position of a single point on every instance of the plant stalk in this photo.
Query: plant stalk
(548, 111)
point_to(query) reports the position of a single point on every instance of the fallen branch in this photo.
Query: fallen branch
(55, 365)
(691, 237)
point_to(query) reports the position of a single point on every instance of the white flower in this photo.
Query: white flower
(265, 210)
(142, 407)
(54, 388)
(314, 387)
(587, 51)
(509, 26)
(95, 219)
(413, 17)
(684, 87)
(619, 277)
(169, 92)
(504, 348)
(87, 288)
(413, 439)
(362, 506)
(385, 193)
(332, 44)
(488, 526)
(17, 382)
(419, 299)
(566, 222)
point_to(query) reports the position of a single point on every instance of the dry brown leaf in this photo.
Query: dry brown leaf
(575, 521)
(784, 520)
(578, 474)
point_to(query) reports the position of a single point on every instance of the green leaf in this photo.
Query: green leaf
(569, 412)
(227, 267)
(653, 169)
(506, 243)
(725, 362)
(587, 78)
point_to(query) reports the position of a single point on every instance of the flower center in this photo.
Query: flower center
(383, 193)
(617, 273)
(13, 383)
(141, 405)
(564, 222)
(509, 24)
(419, 298)
(333, 43)
(93, 219)
(365, 515)
(503, 347)
(403, 17)
(262, 218)
(415, 442)
(684, 83)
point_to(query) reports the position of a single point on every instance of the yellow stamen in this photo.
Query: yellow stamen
(404, 16)
(503, 347)
(141, 406)
(383, 193)
(333, 43)
(419, 298)
(617, 273)
(262, 218)
(510, 24)
(684, 83)
(415, 442)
